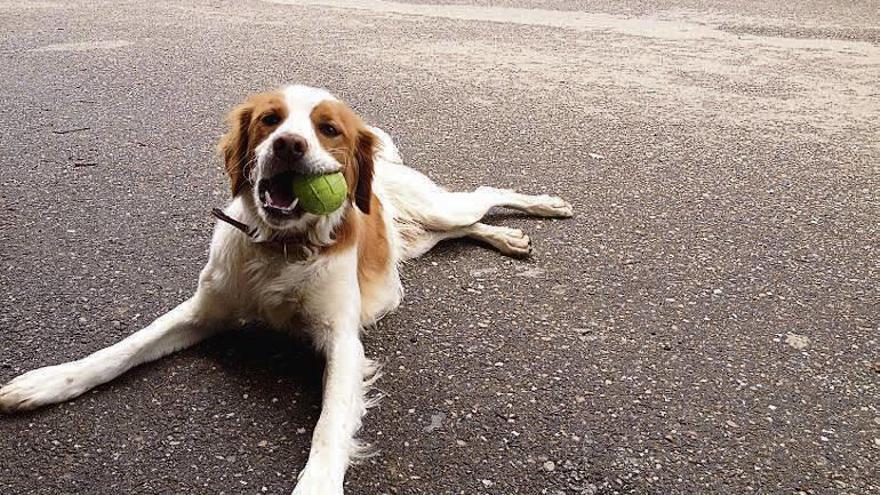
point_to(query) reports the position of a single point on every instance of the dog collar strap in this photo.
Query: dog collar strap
(248, 231)
(294, 248)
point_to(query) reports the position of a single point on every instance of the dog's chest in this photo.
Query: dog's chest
(275, 289)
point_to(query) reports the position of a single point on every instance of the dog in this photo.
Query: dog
(326, 275)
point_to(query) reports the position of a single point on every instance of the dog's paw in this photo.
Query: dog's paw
(319, 487)
(512, 242)
(314, 480)
(550, 207)
(41, 387)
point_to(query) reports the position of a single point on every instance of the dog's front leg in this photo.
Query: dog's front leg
(183, 326)
(342, 408)
(343, 405)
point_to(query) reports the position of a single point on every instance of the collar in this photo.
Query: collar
(294, 248)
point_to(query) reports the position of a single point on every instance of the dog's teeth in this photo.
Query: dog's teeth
(293, 205)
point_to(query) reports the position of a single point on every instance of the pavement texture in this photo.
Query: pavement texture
(709, 322)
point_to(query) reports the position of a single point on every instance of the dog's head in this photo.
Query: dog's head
(297, 130)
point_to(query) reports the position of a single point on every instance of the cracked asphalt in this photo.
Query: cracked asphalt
(708, 322)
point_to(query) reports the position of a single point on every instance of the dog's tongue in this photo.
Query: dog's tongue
(279, 194)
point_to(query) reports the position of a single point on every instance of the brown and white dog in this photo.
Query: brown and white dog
(273, 262)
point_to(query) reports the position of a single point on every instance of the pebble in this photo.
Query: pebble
(799, 342)
(549, 466)
(436, 422)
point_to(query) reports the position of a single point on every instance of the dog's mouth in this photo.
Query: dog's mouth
(276, 195)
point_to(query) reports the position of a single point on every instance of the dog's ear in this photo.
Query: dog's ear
(234, 146)
(364, 151)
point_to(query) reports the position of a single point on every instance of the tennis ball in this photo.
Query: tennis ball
(320, 194)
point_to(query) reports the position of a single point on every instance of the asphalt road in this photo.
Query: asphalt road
(709, 322)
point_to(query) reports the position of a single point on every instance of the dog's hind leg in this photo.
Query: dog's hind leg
(452, 210)
(185, 325)
(420, 200)
(426, 213)
(509, 241)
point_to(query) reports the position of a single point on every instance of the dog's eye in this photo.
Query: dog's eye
(328, 130)
(271, 119)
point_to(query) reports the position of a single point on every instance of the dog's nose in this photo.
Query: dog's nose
(290, 147)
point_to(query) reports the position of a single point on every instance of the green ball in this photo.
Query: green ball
(320, 194)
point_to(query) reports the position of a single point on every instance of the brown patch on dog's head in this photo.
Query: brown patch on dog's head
(249, 124)
(345, 136)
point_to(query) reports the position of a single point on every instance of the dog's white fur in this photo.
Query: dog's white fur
(243, 281)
